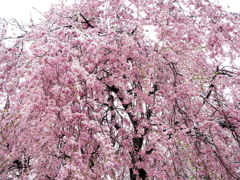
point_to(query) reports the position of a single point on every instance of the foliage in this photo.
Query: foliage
(89, 94)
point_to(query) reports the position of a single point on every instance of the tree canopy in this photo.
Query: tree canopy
(89, 93)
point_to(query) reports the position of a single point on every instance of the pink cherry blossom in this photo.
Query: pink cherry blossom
(89, 94)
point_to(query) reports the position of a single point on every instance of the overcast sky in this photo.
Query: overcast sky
(21, 9)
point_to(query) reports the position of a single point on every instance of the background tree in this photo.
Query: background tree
(88, 96)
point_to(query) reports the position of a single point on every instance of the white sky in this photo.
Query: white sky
(21, 9)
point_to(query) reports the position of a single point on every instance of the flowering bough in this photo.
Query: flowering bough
(86, 94)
